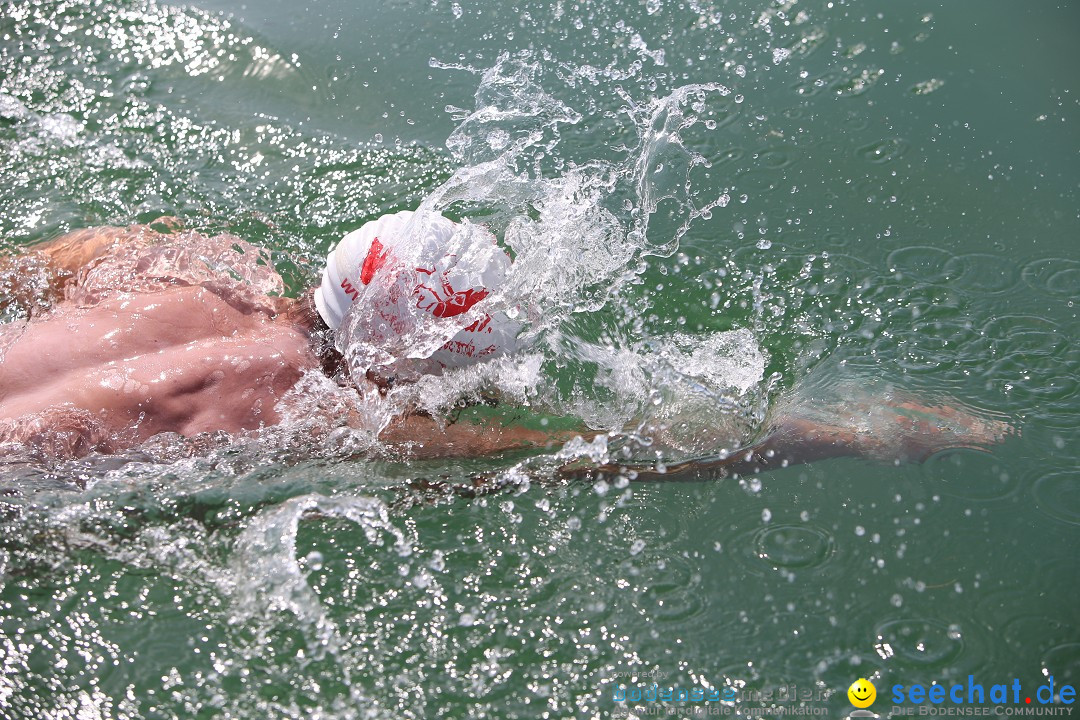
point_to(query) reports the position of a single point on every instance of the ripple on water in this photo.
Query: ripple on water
(1057, 494)
(1000, 601)
(1063, 662)
(919, 643)
(672, 592)
(936, 344)
(774, 158)
(1030, 335)
(1020, 633)
(726, 155)
(884, 151)
(982, 273)
(970, 474)
(781, 548)
(1058, 276)
(1031, 358)
(794, 546)
(921, 262)
(787, 634)
(1053, 414)
(1026, 636)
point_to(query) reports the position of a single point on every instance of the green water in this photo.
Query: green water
(904, 183)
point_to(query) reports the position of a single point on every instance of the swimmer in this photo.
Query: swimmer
(126, 333)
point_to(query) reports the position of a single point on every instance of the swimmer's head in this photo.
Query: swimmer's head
(405, 295)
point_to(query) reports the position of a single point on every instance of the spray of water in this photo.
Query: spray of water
(581, 217)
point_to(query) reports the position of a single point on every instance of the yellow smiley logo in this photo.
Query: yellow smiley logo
(862, 693)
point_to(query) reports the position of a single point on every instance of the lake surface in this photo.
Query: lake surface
(837, 201)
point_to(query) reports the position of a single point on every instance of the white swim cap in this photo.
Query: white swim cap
(400, 293)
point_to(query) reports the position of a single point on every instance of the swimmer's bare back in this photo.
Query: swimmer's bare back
(106, 374)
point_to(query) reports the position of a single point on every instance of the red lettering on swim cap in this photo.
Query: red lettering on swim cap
(375, 259)
(458, 303)
(350, 290)
(480, 325)
(449, 302)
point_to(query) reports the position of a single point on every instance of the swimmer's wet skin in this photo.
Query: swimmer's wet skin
(793, 440)
(129, 337)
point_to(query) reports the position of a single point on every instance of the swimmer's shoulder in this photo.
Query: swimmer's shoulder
(89, 265)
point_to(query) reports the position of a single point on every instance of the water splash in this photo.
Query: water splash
(266, 577)
(580, 226)
(577, 229)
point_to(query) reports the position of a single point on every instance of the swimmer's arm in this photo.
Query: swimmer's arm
(421, 437)
(34, 278)
(789, 444)
(915, 433)
(792, 442)
(68, 253)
